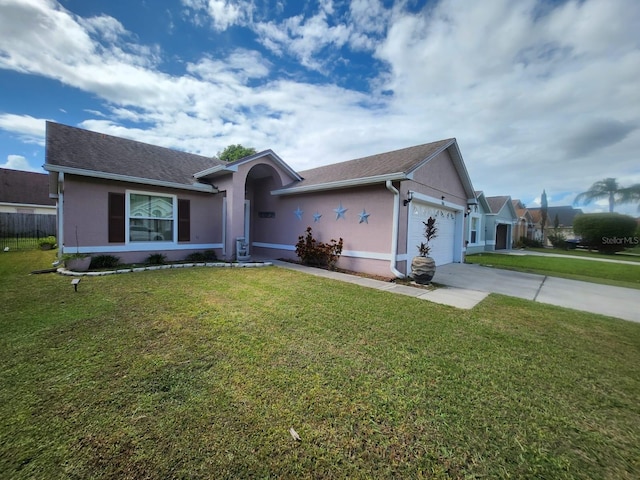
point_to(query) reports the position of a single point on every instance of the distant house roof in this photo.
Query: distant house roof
(77, 151)
(394, 165)
(26, 188)
(566, 214)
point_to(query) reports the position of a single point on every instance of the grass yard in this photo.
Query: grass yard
(606, 273)
(199, 373)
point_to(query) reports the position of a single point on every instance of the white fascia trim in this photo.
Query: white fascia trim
(142, 247)
(490, 243)
(216, 169)
(356, 182)
(345, 253)
(127, 178)
(436, 201)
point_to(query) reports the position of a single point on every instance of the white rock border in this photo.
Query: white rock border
(64, 271)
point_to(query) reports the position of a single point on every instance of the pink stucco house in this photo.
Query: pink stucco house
(132, 199)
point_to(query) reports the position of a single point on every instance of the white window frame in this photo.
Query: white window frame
(174, 219)
(478, 217)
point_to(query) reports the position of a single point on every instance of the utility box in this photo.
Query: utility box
(242, 250)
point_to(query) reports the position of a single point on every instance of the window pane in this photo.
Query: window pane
(150, 230)
(150, 206)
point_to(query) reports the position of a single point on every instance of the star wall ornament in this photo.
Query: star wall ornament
(364, 216)
(298, 213)
(316, 217)
(340, 211)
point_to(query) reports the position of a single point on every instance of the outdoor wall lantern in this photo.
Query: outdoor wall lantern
(407, 200)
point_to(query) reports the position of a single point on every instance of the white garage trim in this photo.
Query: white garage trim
(451, 228)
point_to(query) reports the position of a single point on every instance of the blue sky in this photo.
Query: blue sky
(540, 94)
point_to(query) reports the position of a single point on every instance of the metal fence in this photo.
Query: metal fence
(20, 231)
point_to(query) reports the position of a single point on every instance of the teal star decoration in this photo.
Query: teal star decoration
(340, 211)
(316, 217)
(364, 216)
(298, 213)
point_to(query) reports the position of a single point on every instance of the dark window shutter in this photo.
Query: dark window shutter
(184, 220)
(116, 217)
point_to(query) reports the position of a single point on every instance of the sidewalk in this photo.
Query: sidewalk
(559, 255)
(466, 285)
(452, 296)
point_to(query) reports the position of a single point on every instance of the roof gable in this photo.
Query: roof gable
(231, 167)
(84, 152)
(27, 188)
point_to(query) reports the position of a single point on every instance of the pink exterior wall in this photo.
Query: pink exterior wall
(364, 244)
(86, 206)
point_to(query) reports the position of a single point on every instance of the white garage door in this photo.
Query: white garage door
(442, 246)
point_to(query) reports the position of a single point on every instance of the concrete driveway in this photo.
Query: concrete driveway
(616, 302)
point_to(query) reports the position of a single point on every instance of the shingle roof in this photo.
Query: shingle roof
(75, 148)
(398, 161)
(24, 187)
(566, 214)
(496, 203)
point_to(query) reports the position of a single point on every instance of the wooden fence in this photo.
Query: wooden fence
(25, 230)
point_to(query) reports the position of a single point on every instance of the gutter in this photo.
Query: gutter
(394, 229)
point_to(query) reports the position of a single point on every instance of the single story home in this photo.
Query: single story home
(476, 241)
(25, 205)
(562, 215)
(527, 227)
(131, 199)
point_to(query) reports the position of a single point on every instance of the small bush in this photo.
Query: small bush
(156, 259)
(104, 261)
(528, 243)
(47, 243)
(606, 232)
(313, 252)
(558, 239)
(206, 256)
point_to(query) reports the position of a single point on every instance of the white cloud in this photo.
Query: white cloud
(539, 95)
(28, 128)
(18, 162)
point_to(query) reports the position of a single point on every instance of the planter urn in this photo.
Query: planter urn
(423, 269)
(78, 264)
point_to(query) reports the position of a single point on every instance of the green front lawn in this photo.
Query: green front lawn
(200, 373)
(573, 268)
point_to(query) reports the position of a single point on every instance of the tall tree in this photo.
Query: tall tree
(610, 189)
(544, 209)
(235, 152)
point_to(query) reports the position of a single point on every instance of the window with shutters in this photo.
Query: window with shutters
(148, 217)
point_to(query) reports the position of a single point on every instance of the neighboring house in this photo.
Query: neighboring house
(499, 223)
(565, 215)
(526, 227)
(476, 235)
(25, 206)
(132, 199)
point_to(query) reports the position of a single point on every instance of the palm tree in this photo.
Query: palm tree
(609, 188)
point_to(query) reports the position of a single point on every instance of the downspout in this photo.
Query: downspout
(60, 212)
(394, 233)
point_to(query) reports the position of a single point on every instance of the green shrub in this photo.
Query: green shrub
(206, 256)
(557, 239)
(607, 232)
(313, 252)
(156, 259)
(47, 243)
(104, 261)
(528, 243)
